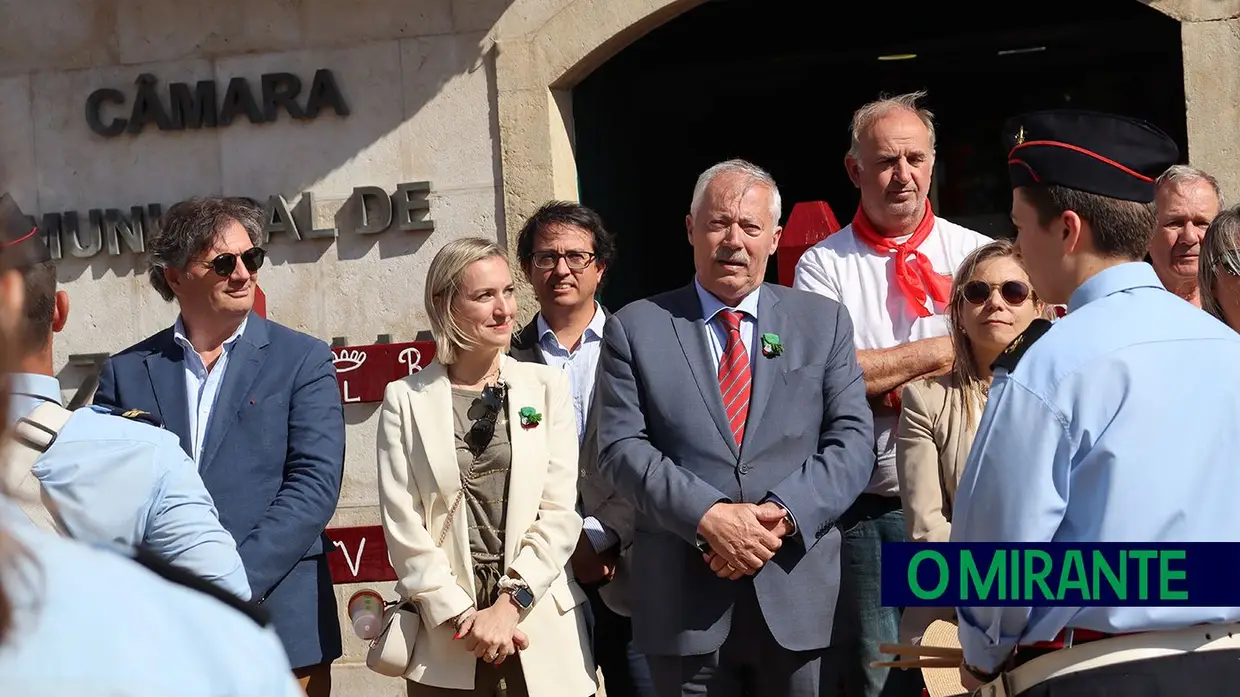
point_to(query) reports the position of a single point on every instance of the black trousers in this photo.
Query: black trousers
(749, 664)
(1203, 674)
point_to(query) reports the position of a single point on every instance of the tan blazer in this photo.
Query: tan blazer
(931, 451)
(933, 446)
(418, 480)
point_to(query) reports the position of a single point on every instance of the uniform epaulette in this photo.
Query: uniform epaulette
(145, 417)
(174, 574)
(1012, 354)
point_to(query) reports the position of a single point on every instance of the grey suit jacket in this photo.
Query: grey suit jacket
(665, 444)
(596, 496)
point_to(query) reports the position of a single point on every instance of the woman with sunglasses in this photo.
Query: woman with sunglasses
(1218, 269)
(991, 304)
(478, 489)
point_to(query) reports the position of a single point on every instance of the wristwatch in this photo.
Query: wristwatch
(980, 674)
(519, 590)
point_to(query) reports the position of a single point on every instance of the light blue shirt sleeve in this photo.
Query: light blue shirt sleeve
(119, 481)
(1013, 489)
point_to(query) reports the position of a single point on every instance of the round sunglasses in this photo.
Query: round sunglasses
(224, 264)
(1012, 292)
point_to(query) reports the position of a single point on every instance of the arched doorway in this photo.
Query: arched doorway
(776, 83)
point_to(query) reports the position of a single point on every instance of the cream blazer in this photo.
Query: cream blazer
(418, 480)
(934, 440)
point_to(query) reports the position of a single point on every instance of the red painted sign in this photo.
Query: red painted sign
(359, 555)
(364, 371)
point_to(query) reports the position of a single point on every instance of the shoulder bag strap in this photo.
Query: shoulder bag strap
(32, 436)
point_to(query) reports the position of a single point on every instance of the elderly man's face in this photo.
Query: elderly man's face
(733, 233)
(893, 172)
(1184, 211)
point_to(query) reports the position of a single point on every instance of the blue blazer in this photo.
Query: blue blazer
(272, 460)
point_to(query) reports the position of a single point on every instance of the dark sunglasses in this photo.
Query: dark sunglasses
(483, 430)
(1012, 292)
(226, 263)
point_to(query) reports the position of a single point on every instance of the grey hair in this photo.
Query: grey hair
(190, 227)
(443, 286)
(863, 119)
(1218, 248)
(737, 166)
(1184, 174)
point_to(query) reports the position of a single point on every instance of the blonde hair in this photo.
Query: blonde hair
(443, 286)
(971, 387)
(1218, 249)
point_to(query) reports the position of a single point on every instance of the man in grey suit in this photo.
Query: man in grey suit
(733, 415)
(564, 251)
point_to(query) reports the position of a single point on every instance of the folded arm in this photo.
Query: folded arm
(889, 368)
(545, 547)
(313, 468)
(671, 496)
(818, 492)
(1001, 498)
(919, 471)
(424, 574)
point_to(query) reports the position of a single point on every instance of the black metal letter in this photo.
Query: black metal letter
(117, 226)
(383, 219)
(146, 106)
(193, 110)
(324, 92)
(93, 242)
(239, 100)
(50, 230)
(410, 201)
(281, 90)
(93, 104)
(278, 218)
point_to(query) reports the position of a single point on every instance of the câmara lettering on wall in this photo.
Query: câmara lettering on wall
(123, 232)
(201, 107)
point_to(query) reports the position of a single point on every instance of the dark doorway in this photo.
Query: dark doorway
(776, 82)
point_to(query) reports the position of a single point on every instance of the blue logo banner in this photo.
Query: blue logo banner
(1201, 574)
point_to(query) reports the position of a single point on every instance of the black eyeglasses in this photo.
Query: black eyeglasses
(226, 263)
(576, 260)
(483, 430)
(1012, 292)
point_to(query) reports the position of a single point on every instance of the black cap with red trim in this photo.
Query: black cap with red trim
(1102, 154)
(21, 245)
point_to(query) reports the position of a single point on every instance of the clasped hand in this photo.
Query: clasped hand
(742, 537)
(492, 634)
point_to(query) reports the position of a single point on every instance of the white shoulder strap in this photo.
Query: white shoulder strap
(32, 436)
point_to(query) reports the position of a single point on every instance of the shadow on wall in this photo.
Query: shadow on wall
(417, 108)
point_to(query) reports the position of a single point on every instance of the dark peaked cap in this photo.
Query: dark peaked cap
(1101, 154)
(21, 245)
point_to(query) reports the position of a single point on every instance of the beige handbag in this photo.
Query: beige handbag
(391, 651)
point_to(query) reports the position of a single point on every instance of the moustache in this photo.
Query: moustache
(732, 257)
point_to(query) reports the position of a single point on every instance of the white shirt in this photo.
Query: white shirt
(203, 386)
(852, 273)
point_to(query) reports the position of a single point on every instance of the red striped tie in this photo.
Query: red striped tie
(734, 378)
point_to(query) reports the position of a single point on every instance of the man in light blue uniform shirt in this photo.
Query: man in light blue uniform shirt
(1120, 422)
(111, 478)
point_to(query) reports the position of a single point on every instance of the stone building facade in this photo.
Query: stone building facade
(455, 112)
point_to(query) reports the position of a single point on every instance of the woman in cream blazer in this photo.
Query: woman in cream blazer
(991, 304)
(542, 650)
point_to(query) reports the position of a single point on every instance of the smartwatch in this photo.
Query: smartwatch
(522, 595)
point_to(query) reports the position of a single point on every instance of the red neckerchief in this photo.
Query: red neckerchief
(915, 276)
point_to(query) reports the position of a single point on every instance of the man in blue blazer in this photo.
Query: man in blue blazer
(257, 407)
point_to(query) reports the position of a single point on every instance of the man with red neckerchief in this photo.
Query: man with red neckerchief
(892, 268)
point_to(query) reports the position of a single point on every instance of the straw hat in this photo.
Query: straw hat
(942, 682)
